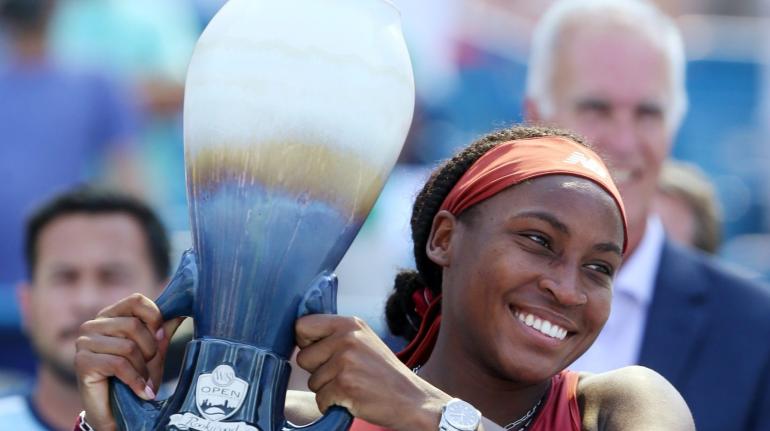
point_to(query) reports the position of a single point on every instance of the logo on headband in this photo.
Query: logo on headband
(587, 162)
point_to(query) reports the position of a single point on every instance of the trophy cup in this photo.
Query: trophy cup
(295, 112)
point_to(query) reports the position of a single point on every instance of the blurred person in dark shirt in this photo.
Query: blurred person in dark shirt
(85, 249)
(59, 126)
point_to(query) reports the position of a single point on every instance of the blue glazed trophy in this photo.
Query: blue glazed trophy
(295, 112)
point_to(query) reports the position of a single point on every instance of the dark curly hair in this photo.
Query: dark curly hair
(400, 314)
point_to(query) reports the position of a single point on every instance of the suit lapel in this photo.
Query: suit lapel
(676, 316)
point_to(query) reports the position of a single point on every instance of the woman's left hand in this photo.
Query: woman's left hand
(351, 367)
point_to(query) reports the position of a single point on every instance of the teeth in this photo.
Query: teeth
(546, 328)
(550, 329)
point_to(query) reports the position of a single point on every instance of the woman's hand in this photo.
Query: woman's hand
(127, 340)
(351, 367)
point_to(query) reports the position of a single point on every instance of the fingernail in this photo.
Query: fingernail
(148, 390)
(150, 384)
(159, 334)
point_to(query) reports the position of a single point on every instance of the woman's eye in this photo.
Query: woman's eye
(602, 268)
(543, 241)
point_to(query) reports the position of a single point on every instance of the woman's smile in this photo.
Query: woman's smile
(541, 325)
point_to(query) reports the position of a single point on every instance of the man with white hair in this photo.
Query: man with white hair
(613, 71)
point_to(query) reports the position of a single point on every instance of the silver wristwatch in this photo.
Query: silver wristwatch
(457, 415)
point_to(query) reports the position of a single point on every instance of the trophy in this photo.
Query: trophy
(295, 112)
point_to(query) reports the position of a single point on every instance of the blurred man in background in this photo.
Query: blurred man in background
(613, 71)
(688, 207)
(85, 250)
(59, 126)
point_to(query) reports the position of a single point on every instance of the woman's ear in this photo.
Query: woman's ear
(439, 243)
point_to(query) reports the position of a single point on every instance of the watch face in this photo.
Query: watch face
(462, 415)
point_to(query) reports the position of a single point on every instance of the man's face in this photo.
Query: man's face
(84, 263)
(614, 87)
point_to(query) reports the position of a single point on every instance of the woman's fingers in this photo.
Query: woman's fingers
(311, 357)
(316, 327)
(309, 329)
(156, 364)
(337, 351)
(344, 381)
(138, 306)
(120, 347)
(129, 328)
(347, 375)
(320, 336)
(94, 370)
(118, 343)
(322, 375)
(330, 395)
(106, 366)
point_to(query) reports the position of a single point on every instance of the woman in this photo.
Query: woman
(517, 239)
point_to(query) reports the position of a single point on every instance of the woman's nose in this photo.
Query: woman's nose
(564, 289)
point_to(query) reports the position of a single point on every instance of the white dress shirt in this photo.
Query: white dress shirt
(619, 343)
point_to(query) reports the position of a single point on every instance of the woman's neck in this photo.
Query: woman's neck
(500, 400)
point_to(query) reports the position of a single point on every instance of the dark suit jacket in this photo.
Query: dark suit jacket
(708, 333)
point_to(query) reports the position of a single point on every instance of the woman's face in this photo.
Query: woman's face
(528, 275)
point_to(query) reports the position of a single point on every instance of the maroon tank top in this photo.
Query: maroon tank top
(560, 411)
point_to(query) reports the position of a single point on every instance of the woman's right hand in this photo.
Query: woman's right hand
(351, 367)
(127, 340)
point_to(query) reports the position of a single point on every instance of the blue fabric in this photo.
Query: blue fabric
(708, 333)
(55, 124)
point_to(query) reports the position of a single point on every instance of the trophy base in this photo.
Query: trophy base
(228, 386)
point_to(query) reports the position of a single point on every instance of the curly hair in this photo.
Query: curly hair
(400, 311)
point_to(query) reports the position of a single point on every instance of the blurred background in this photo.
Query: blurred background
(95, 94)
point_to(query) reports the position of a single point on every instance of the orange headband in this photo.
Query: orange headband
(513, 162)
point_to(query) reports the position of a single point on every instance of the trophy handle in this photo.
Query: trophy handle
(177, 298)
(321, 298)
(130, 411)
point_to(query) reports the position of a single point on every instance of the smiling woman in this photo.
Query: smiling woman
(517, 240)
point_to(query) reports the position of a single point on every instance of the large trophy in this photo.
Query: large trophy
(295, 112)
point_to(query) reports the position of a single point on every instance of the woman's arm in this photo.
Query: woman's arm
(351, 367)
(301, 409)
(632, 398)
